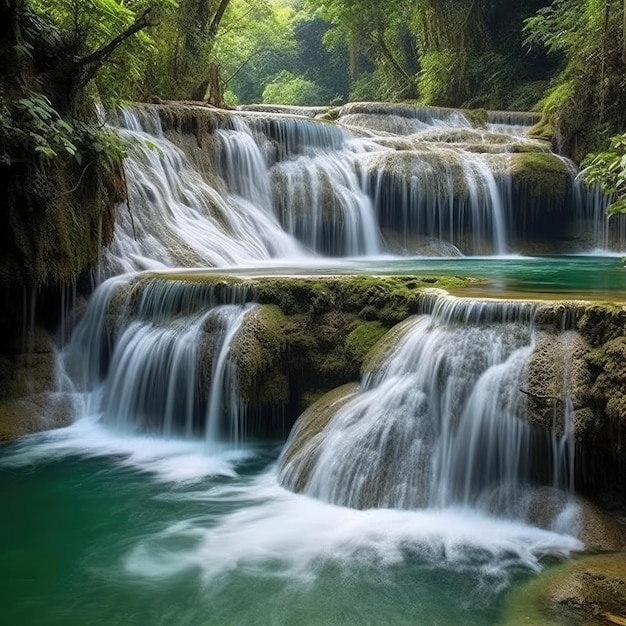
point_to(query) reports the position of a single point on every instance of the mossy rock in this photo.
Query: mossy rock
(478, 118)
(193, 118)
(32, 414)
(331, 115)
(544, 129)
(562, 315)
(557, 369)
(430, 162)
(385, 346)
(304, 444)
(363, 338)
(542, 175)
(54, 238)
(603, 322)
(258, 352)
(607, 366)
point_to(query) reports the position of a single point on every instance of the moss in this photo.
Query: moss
(332, 115)
(55, 236)
(478, 118)
(383, 348)
(607, 365)
(363, 338)
(590, 590)
(195, 119)
(258, 352)
(422, 161)
(544, 129)
(603, 322)
(386, 299)
(557, 368)
(564, 314)
(542, 175)
(304, 445)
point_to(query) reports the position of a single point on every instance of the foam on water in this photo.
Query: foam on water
(169, 460)
(278, 533)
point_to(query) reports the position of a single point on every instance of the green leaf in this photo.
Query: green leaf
(47, 151)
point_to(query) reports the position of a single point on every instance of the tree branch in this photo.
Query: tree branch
(90, 64)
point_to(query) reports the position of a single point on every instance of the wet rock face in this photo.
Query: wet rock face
(557, 371)
(585, 366)
(26, 377)
(306, 440)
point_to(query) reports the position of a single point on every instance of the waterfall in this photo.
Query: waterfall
(516, 123)
(314, 193)
(384, 178)
(155, 358)
(440, 422)
(175, 218)
(443, 195)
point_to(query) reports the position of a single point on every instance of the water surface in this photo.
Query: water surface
(578, 277)
(100, 528)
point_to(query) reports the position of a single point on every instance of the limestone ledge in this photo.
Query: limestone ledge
(309, 335)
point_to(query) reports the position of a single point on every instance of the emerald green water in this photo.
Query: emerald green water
(105, 528)
(100, 530)
(581, 277)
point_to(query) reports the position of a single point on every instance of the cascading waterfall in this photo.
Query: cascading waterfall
(279, 185)
(460, 199)
(160, 364)
(307, 178)
(175, 218)
(439, 423)
(516, 123)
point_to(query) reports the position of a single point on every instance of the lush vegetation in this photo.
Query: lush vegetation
(586, 103)
(608, 169)
(566, 58)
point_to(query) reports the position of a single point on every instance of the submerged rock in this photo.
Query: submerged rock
(588, 591)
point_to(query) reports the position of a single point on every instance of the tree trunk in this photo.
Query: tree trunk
(624, 34)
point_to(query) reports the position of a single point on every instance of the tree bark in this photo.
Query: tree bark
(217, 20)
(624, 34)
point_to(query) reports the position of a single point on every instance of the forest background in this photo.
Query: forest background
(565, 58)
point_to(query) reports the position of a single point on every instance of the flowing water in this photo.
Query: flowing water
(103, 528)
(159, 506)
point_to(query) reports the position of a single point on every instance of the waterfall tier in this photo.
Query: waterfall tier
(216, 188)
(464, 403)
(440, 419)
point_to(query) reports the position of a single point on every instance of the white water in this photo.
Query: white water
(177, 219)
(252, 526)
(158, 362)
(281, 186)
(440, 423)
(411, 470)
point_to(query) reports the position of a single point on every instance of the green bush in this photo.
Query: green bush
(288, 88)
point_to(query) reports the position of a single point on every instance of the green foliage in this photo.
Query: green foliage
(608, 169)
(287, 88)
(257, 42)
(556, 27)
(31, 125)
(434, 82)
(444, 52)
(60, 169)
(587, 103)
(366, 88)
(87, 25)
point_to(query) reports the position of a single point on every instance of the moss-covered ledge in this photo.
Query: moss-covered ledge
(306, 336)
(312, 334)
